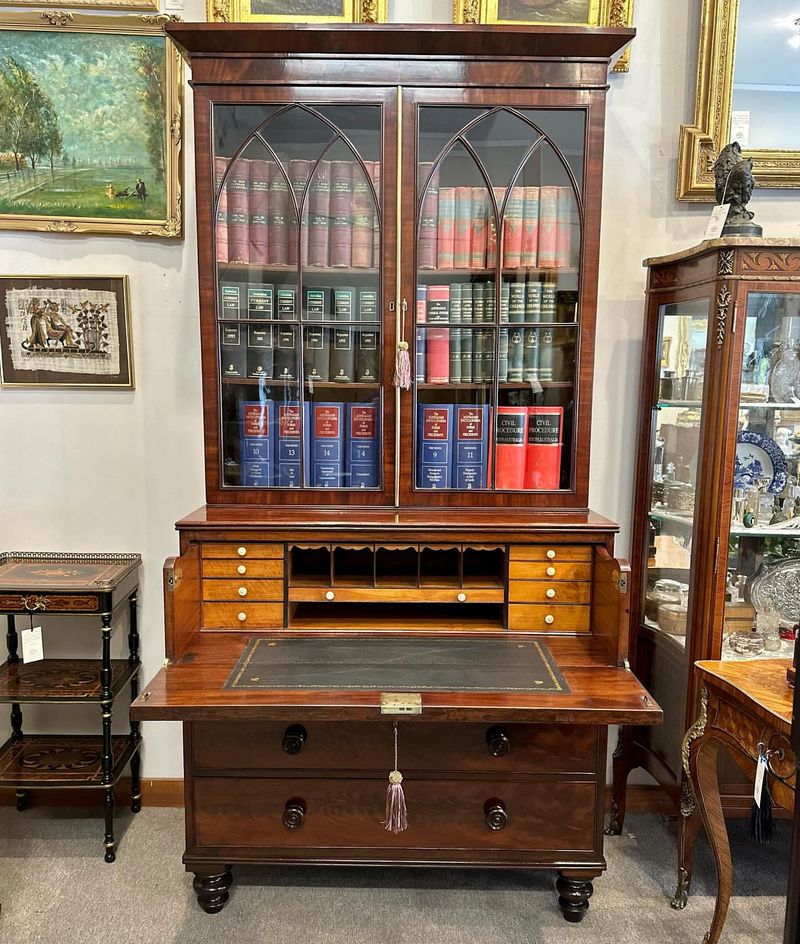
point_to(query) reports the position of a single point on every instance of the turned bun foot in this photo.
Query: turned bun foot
(573, 897)
(212, 891)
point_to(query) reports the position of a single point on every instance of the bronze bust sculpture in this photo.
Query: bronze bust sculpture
(734, 182)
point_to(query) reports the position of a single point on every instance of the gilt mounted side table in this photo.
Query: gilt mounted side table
(100, 585)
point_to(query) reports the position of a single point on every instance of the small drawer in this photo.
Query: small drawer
(242, 567)
(394, 595)
(550, 552)
(256, 590)
(243, 551)
(549, 570)
(548, 591)
(544, 618)
(246, 616)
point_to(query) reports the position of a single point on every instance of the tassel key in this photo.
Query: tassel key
(396, 812)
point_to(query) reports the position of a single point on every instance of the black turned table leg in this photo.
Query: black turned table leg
(107, 755)
(212, 888)
(133, 659)
(12, 640)
(574, 891)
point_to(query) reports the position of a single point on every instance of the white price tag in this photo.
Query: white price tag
(173, 4)
(32, 647)
(719, 216)
(761, 769)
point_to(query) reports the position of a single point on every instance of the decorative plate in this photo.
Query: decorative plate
(778, 587)
(759, 457)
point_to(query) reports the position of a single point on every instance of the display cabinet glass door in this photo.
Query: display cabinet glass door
(675, 466)
(499, 210)
(298, 242)
(763, 580)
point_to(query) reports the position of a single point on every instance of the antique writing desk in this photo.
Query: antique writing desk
(398, 245)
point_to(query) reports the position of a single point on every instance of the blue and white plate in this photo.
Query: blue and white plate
(759, 457)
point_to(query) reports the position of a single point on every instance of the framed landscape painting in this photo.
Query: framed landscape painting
(90, 124)
(296, 11)
(65, 331)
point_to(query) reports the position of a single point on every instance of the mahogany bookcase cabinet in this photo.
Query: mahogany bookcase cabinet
(361, 192)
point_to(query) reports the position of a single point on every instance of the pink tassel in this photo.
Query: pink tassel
(396, 813)
(402, 367)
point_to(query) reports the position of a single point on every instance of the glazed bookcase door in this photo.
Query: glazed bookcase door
(299, 229)
(500, 225)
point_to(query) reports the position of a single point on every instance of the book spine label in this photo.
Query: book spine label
(516, 301)
(437, 355)
(363, 453)
(435, 445)
(512, 229)
(343, 356)
(463, 228)
(428, 220)
(477, 240)
(549, 299)
(564, 227)
(515, 354)
(548, 226)
(231, 306)
(533, 301)
(420, 340)
(319, 207)
(278, 238)
(478, 303)
(511, 428)
(260, 352)
(344, 304)
(438, 307)
(257, 435)
(368, 305)
(285, 356)
(261, 302)
(502, 360)
(232, 350)
(317, 304)
(256, 450)
(455, 333)
(259, 212)
(341, 236)
(489, 303)
(239, 211)
(363, 212)
(530, 355)
(547, 354)
(530, 227)
(316, 353)
(446, 233)
(471, 425)
(327, 465)
(368, 356)
(543, 451)
(288, 460)
(221, 225)
(298, 174)
(505, 302)
(286, 303)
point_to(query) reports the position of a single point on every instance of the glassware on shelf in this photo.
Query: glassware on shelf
(672, 616)
(662, 592)
(747, 644)
(768, 624)
(784, 378)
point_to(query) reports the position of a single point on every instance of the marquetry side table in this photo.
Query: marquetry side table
(744, 706)
(34, 584)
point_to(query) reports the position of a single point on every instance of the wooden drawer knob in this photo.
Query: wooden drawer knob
(497, 741)
(294, 814)
(551, 554)
(241, 551)
(330, 595)
(294, 739)
(496, 816)
(241, 569)
(242, 591)
(462, 598)
(549, 619)
(241, 616)
(550, 593)
(551, 571)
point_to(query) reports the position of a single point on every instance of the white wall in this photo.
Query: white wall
(83, 471)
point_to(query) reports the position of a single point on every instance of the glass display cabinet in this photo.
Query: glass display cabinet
(716, 554)
(398, 283)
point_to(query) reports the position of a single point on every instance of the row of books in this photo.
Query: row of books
(257, 222)
(271, 352)
(262, 301)
(320, 445)
(468, 302)
(466, 355)
(457, 228)
(453, 446)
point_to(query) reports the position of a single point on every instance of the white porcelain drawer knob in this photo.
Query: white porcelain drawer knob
(462, 598)
(242, 617)
(551, 554)
(549, 619)
(242, 591)
(550, 593)
(241, 569)
(551, 571)
(241, 551)
(330, 595)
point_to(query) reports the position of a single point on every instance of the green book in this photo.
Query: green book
(261, 302)
(344, 304)
(368, 305)
(516, 301)
(317, 304)
(533, 301)
(505, 302)
(467, 335)
(478, 302)
(515, 353)
(285, 303)
(502, 360)
(530, 355)
(548, 309)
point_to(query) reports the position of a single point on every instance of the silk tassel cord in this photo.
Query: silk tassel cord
(402, 362)
(396, 813)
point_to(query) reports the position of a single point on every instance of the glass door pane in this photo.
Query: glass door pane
(675, 459)
(498, 260)
(298, 248)
(764, 548)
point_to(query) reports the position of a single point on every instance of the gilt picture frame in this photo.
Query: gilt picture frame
(66, 331)
(549, 13)
(99, 150)
(296, 11)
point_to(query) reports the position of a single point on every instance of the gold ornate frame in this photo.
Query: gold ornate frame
(701, 141)
(134, 25)
(238, 11)
(112, 5)
(601, 13)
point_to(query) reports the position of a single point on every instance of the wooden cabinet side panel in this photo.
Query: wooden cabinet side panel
(181, 600)
(611, 604)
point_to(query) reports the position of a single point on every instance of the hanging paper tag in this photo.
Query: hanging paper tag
(32, 647)
(719, 216)
(761, 770)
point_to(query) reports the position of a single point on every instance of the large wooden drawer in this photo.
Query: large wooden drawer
(264, 590)
(243, 551)
(239, 813)
(550, 552)
(242, 615)
(546, 618)
(548, 591)
(368, 746)
(242, 567)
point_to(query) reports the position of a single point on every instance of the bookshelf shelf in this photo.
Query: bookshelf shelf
(292, 270)
(506, 385)
(321, 384)
(551, 274)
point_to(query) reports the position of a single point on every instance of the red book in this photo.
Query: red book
(463, 228)
(363, 214)
(530, 227)
(319, 206)
(437, 355)
(492, 227)
(374, 168)
(564, 227)
(548, 226)
(298, 175)
(221, 228)
(477, 240)
(445, 232)
(511, 438)
(259, 211)
(543, 448)
(512, 229)
(428, 219)
(238, 183)
(341, 236)
(278, 239)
